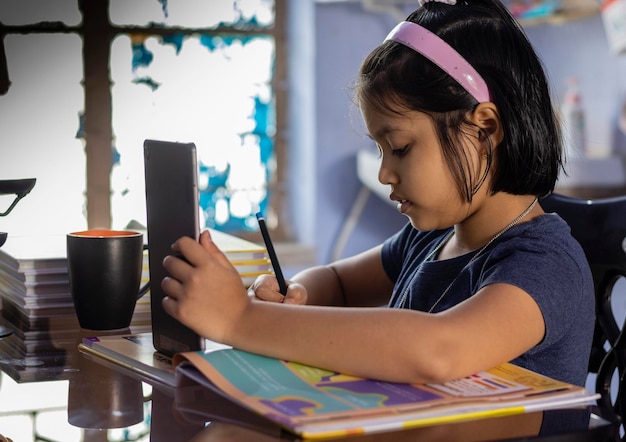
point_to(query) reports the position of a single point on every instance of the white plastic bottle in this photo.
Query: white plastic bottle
(573, 121)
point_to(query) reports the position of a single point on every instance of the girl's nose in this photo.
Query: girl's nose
(386, 174)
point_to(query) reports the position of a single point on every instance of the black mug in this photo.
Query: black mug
(105, 268)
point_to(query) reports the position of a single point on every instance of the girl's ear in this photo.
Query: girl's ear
(487, 118)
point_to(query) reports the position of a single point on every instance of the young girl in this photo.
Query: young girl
(457, 103)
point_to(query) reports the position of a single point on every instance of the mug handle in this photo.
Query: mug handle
(144, 289)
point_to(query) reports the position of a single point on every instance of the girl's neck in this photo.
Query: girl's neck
(494, 215)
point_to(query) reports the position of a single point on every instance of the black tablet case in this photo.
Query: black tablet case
(171, 181)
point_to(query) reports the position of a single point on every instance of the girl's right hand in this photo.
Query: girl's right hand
(265, 288)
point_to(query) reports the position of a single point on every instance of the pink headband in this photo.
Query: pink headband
(443, 55)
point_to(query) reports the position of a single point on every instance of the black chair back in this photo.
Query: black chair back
(600, 227)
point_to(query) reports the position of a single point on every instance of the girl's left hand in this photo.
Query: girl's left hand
(205, 292)
(265, 288)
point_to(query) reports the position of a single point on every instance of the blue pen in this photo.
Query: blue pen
(273, 258)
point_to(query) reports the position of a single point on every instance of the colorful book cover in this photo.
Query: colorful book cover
(317, 403)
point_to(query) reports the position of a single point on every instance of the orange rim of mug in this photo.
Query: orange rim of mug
(104, 233)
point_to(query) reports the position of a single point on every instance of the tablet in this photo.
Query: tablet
(171, 180)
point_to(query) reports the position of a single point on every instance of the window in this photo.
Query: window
(197, 71)
(38, 118)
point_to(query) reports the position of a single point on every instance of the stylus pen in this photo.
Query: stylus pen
(282, 285)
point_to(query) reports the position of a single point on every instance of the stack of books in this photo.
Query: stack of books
(35, 299)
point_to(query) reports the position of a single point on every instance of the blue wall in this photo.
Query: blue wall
(345, 33)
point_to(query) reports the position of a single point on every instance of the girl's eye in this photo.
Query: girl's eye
(400, 152)
(379, 150)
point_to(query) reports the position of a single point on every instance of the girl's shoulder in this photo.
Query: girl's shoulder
(546, 239)
(550, 228)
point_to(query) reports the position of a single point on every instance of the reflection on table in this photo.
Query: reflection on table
(99, 399)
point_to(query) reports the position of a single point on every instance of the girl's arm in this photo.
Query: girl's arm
(495, 325)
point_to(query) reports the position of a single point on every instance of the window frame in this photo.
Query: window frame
(97, 33)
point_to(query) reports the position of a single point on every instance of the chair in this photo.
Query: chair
(600, 227)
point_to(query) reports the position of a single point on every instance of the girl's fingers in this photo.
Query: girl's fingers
(176, 267)
(195, 252)
(174, 291)
(265, 288)
(172, 287)
(267, 294)
(296, 294)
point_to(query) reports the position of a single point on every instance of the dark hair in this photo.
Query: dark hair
(394, 76)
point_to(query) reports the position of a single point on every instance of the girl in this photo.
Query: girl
(458, 104)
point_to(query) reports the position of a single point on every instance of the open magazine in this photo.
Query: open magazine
(316, 403)
(222, 383)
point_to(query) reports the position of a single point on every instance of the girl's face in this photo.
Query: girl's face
(413, 165)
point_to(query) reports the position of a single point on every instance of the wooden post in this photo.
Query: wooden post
(97, 35)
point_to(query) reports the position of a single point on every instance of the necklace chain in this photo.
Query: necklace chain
(521, 216)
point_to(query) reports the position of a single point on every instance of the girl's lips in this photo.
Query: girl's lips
(403, 206)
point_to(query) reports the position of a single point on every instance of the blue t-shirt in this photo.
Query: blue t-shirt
(539, 256)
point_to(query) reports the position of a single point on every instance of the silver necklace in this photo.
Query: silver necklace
(521, 216)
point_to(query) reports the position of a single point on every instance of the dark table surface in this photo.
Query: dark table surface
(100, 397)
